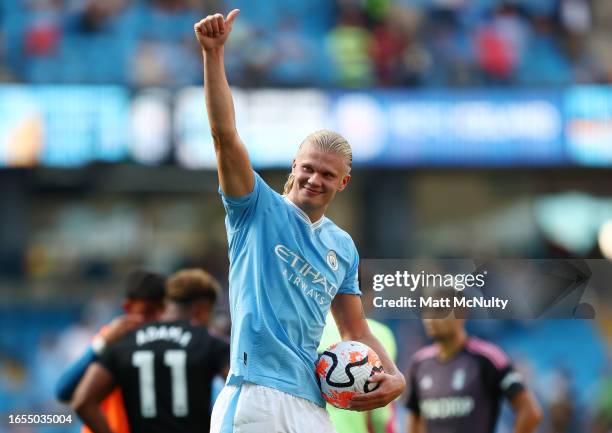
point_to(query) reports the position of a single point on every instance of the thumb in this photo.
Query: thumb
(378, 377)
(232, 16)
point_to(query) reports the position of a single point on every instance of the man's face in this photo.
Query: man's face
(443, 329)
(148, 310)
(319, 175)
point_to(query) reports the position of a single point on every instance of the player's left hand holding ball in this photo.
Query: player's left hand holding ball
(390, 387)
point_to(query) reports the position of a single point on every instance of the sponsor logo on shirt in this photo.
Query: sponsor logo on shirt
(303, 275)
(447, 407)
(426, 383)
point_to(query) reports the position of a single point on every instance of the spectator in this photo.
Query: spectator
(349, 45)
(43, 28)
(96, 16)
(500, 44)
(390, 40)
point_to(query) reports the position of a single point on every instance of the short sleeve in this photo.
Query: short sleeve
(350, 284)
(240, 211)
(503, 380)
(510, 382)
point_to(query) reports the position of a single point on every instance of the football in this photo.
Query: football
(343, 370)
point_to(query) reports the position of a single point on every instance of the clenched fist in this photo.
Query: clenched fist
(212, 31)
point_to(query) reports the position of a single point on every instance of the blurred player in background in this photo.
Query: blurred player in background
(381, 420)
(164, 369)
(287, 263)
(143, 302)
(457, 384)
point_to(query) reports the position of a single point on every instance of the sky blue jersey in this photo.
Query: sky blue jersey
(284, 273)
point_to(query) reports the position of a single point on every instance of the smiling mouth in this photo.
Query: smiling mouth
(312, 191)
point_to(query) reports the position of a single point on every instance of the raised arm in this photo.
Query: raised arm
(235, 173)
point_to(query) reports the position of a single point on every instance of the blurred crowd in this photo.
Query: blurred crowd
(342, 43)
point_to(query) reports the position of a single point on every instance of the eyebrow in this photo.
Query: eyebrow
(310, 165)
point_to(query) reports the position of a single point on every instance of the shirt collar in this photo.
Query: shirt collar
(313, 225)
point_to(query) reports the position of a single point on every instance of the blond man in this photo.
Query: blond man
(289, 264)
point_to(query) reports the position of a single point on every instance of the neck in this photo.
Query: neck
(448, 347)
(314, 215)
(174, 312)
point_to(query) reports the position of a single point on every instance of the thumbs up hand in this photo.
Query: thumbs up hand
(212, 31)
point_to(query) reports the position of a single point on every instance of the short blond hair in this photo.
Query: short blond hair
(189, 285)
(327, 141)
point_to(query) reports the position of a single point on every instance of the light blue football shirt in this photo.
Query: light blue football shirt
(284, 273)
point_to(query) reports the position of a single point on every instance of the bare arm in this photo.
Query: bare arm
(348, 314)
(528, 412)
(235, 172)
(119, 327)
(96, 384)
(70, 378)
(415, 424)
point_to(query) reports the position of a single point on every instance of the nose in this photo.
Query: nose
(315, 179)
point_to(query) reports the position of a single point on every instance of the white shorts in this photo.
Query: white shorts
(251, 408)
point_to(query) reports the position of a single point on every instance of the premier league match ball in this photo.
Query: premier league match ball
(343, 370)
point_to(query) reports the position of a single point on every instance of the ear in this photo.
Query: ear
(201, 312)
(345, 180)
(126, 305)
(293, 165)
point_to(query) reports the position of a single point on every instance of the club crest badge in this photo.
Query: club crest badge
(332, 260)
(426, 383)
(458, 379)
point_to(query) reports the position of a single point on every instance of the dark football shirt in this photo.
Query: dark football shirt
(463, 393)
(165, 371)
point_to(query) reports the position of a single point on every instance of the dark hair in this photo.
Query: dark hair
(189, 285)
(145, 285)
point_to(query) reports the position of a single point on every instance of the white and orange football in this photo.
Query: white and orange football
(343, 370)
